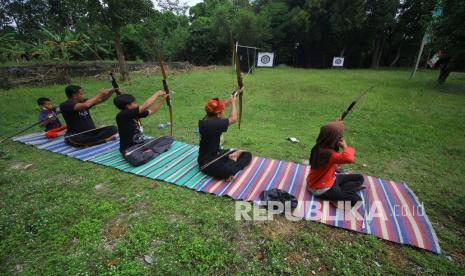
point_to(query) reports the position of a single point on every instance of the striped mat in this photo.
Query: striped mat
(389, 210)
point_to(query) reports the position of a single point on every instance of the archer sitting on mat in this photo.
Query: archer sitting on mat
(49, 120)
(223, 164)
(134, 148)
(322, 181)
(81, 128)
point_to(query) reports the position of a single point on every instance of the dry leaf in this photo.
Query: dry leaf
(112, 263)
(153, 185)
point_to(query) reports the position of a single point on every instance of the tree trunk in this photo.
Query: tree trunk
(375, 57)
(446, 67)
(396, 58)
(120, 54)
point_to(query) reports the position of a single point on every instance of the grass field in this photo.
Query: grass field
(63, 216)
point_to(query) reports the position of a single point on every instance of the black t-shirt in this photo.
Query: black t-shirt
(129, 127)
(76, 120)
(210, 135)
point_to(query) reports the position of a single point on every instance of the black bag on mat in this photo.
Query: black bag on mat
(144, 152)
(277, 195)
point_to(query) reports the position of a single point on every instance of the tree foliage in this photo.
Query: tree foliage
(304, 33)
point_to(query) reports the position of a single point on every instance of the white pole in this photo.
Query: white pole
(422, 46)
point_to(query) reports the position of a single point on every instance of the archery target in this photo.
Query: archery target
(265, 59)
(338, 62)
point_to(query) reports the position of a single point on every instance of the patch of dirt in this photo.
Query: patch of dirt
(244, 242)
(459, 257)
(112, 232)
(175, 217)
(333, 235)
(117, 227)
(295, 257)
(20, 166)
(279, 227)
(395, 256)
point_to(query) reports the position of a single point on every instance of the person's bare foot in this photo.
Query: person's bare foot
(113, 137)
(235, 155)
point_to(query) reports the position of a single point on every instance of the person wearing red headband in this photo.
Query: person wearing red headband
(212, 160)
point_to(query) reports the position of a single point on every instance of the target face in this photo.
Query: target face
(338, 62)
(265, 59)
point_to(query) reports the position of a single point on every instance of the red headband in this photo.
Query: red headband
(214, 106)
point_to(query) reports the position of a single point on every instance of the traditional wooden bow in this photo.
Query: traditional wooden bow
(29, 127)
(167, 91)
(344, 114)
(114, 84)
(239, 76)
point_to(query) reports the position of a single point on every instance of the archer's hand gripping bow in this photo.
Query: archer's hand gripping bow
(114, 84)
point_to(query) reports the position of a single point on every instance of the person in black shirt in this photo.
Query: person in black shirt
(133, 146)
(212, 160)
(81, 128)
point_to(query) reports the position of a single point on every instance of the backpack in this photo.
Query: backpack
(277, 195)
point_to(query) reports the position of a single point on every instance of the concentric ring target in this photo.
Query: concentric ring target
(265, 59)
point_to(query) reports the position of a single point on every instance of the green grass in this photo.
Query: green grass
(53, 219)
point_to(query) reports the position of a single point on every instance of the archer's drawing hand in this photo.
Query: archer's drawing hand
(103, 93)
(159, 93)
(342, 143)
(233, 98)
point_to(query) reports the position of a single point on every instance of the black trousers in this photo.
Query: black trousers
(142, 153)
(225, 167)
(345, 188)
(92, 138)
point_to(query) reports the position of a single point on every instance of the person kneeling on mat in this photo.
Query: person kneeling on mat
(49, 120)
(322, 181)
(223, 164)
(81, 128)
(133, 147)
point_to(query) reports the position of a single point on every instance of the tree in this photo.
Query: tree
(381, 19)
(449, 35)
(347, 20)
(63, 45)
(115, 14)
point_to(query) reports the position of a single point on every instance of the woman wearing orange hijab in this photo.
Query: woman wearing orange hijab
(322, 181)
